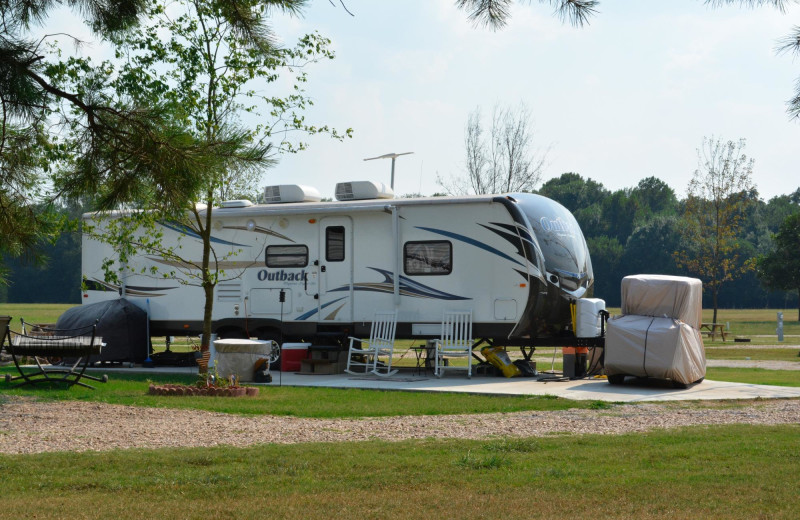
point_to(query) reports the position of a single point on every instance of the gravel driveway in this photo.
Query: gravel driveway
(28, 426)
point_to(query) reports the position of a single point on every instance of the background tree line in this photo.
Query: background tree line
(639, 230)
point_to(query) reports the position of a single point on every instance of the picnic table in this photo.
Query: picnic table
(712, 329)
(74, 347)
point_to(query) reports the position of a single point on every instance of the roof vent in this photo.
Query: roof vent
(363, 190)
(241, 203)
(290, 193)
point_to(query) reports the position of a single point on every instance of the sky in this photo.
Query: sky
(629, 96)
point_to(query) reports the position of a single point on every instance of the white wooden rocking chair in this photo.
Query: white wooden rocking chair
(456, 342)
(367, 354)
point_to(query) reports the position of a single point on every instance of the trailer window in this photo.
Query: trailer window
(287, 256)
(423, 258)
(334, 244)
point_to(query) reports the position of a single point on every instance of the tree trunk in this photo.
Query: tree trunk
(208, 290)
(207, 281)
(798, 304)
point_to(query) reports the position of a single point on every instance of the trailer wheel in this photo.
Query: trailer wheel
(275, 355)
(616, 379)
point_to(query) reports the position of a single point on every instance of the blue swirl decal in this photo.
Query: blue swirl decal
(314, 311)
(470, 241)
(186, 230)
(408, 287)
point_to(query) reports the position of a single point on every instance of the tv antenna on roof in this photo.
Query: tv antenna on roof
(391, 156)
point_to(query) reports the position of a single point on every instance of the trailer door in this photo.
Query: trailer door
(336, 270)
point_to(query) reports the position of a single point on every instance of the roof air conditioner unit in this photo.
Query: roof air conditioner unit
(290, 193)
(363, 190)
(241, 203)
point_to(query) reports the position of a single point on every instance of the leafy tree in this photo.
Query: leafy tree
(211, 68)
(573, 191)
(649, 248)
(606, 253)
(654, 197)
(583, 197)
(780, 269)
(718, 195)
(502, 161)
(495, 13)
(117, 150)
(620, 210)
(778, 208)
(56, 278)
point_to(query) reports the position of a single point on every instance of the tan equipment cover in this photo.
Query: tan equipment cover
(662, 348)
(239, 357)
(675, 297)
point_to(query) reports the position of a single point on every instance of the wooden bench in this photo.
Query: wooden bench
(712, 329)
(76, 344)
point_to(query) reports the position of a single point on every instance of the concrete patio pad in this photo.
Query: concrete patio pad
(582, 389)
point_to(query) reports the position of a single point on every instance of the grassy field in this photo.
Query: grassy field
(754, 376)
(702, 473)
(699, 472)
(33, 312)
(753, 352)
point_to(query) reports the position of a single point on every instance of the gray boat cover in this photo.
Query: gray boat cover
(676, 297)
(658, 333)
(662, 348)
(122, 325)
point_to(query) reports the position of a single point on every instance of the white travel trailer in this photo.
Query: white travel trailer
(516, 261)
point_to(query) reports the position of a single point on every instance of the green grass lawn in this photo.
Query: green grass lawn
(131, 389)
(760, 354)
(699, 472)
(755, 376)
(33, 312)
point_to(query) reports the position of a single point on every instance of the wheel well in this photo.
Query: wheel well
(268, 333)
(231, 333)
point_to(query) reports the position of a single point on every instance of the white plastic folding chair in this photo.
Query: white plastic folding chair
(455, 343)
(367, 354)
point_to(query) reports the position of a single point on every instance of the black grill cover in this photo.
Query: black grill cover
(122, 325)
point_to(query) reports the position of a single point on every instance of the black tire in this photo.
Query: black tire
(684, 386)
(275, 356)
(616, 379)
